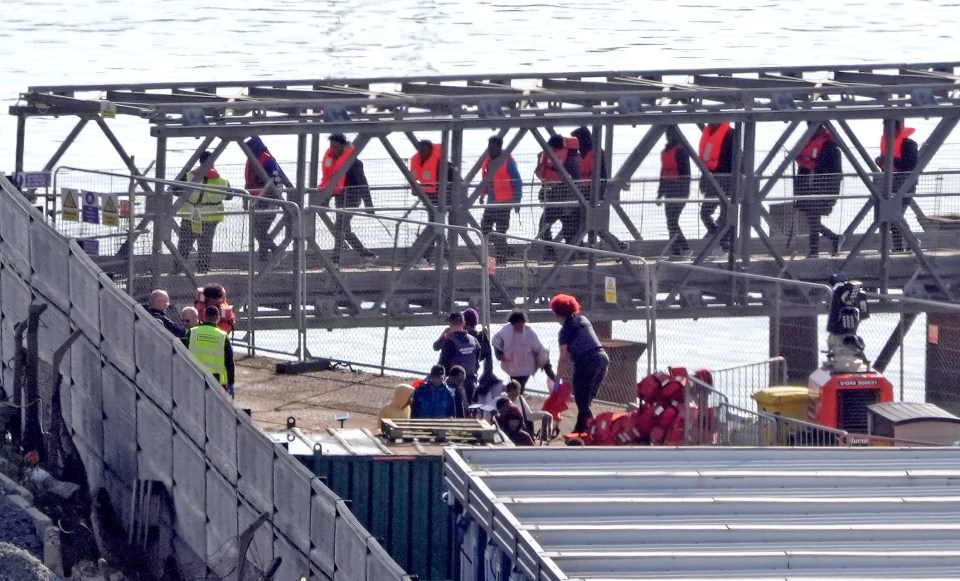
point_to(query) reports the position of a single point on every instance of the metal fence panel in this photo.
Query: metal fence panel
(293, 565)
(222, 521)
(154, 356)
(154, 442)
(255, 457)
(15, 233)
(221, 444)
(86, 398)
(379, 563)
(323, 522)
(50, 254)
(116, 327)
(119, 424)
(85, 280)
(291, 500)
(189, 384)
(189, 493)
(261, 548)
(351, 546)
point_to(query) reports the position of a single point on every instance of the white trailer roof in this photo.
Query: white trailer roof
(716, 513)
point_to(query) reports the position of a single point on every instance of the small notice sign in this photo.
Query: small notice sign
(91, 208)
(610, 289)
(111, 210)
(70, 209)
(31, 180)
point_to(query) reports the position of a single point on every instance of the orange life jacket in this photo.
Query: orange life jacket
(669, 168)
(502, 183)
(545, 169)
(228, 318)
(711, 145)
(807, 158)
(904, 133)
(426, 171)
(330, 166)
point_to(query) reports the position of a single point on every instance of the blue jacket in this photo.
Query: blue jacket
(432, 401)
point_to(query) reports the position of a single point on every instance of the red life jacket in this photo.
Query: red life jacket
(252, 179)
(586, 166)
(330, 167)
(502, 182)
(545, 169)
(904, 133)
(807, 158)
(669, 168)
(426, 171)
(228, 318)
(711, 144)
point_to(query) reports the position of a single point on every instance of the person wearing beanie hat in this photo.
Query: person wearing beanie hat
(348, 192)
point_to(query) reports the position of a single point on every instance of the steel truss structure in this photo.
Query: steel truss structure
(527, 106)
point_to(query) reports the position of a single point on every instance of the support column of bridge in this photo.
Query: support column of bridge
(795, 338)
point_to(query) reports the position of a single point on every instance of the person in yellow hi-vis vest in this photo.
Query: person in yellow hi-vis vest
(201, 214)
(211, 347)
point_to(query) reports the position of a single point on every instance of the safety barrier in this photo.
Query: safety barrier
(142, 410)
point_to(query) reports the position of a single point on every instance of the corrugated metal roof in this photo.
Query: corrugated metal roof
(905, 412)
(716, 513)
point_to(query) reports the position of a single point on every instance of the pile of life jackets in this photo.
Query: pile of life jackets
(660, 418)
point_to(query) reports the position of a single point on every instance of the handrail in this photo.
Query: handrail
(300, 275)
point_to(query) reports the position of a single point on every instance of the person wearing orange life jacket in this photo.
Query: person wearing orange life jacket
(819, 172)
(502, 188)
(905, 153)
(674, 185)
(202, 212)
(716, 152)
(265, 188)
(349, 192)
(425, 166)
(554, 189)
(214, 295)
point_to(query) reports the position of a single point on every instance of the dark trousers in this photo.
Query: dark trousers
(497, 217)
(587, 377)
(186, 237)
(673, 211)
(817, 229)
(896, 234)
(262, 220)
(709, 206)
(571, 223)
(342, 231)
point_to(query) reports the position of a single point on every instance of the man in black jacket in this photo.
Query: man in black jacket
(819, 173)
(460, 348)
(905, 153)
(352, 191)
(674, 185)
(716, 151)
(159, 303)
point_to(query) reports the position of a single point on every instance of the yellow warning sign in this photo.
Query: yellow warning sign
(70, 209)
(196, 221)
(110, 210)
(610, 289)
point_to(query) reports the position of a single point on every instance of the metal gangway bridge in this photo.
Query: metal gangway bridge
(774, 110)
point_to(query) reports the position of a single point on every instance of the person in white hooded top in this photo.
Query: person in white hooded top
(519, 350)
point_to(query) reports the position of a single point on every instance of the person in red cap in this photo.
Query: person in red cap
(583, 360)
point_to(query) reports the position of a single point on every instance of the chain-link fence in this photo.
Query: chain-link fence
(525, 274)
(141, 232)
